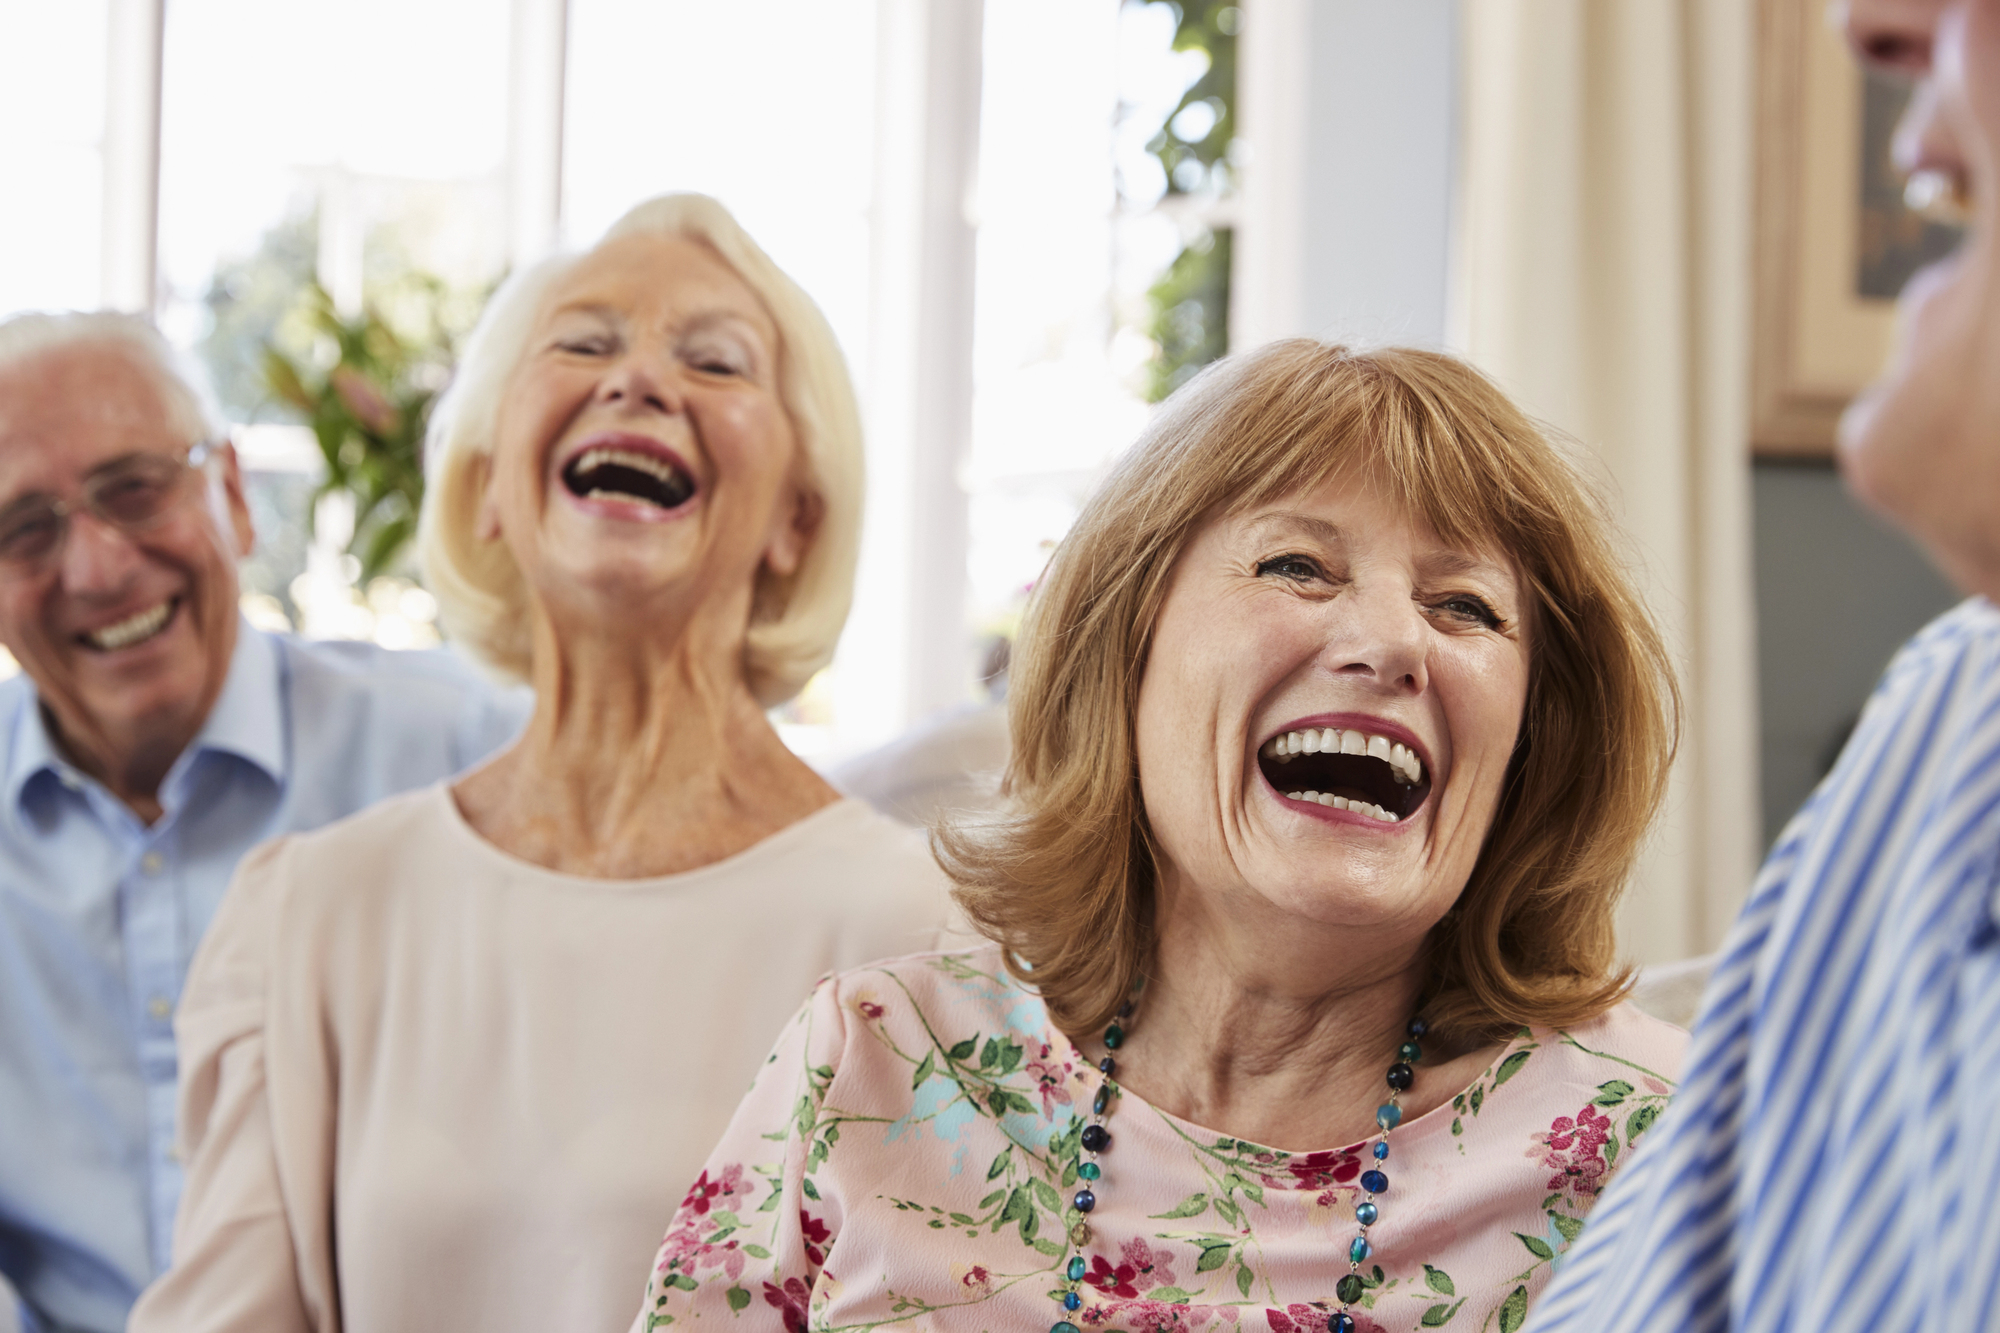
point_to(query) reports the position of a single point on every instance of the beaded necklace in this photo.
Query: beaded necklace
(1096, 1140)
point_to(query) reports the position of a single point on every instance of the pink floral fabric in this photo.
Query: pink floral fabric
(906, 1159)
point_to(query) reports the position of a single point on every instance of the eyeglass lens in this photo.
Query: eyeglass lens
(131, 494)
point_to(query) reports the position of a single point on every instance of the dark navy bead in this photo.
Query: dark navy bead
(1084, 1201)
(1374, 1182)
(1401, 1076)
(1096, 1138)
(1418, 1027)
(1108, 1066)
(1381, 1150)
(1365, 1213)
(1077, 1268)
(1102, 1100)
(1114, 1036)
(1349, 1289)
(1071, 1300)
(1410, 1051)
(1340, 1322)
(1089, 1170)
(1125, 1009)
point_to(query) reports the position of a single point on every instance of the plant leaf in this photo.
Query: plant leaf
(1194, 1205)
(1439, 1281)
(924, 1070)
(738, 1298)
(1508, 1068)
(1212, 1258)
(1513, 1310)
(1536, 1246)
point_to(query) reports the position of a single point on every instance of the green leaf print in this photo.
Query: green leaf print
(1641, 1121)
(1017, 1207)
(991, 1055)
(1194, 1205)
(1212, 1258)
(964, 1049)
(1536, 1246)
(738, 1299)
(1610, 1151)
(681, 1280)
(1048, 1196)
(1570, 1227)
(1508, 1068)
(999, 1164)
(1513, 1310)
(1439, 1315)
(811, 1190)
(1614, 1092)
(924, 1070)
(1439, 1281)
(1243, 1279)
(756, 1251)
(1010, 1058)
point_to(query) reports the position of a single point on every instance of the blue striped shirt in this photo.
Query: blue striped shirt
(1832, 1159)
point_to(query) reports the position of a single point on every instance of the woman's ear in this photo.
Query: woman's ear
(486, 525)
(797, 523)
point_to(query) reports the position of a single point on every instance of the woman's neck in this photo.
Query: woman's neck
(1279, 1033)
(639, 761)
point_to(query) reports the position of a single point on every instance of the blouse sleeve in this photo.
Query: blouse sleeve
(234, 1265)
(748, 1242)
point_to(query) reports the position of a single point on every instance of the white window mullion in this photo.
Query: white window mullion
(537, 64)
(132, 155)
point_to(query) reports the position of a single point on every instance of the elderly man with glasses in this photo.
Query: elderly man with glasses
(152, 739)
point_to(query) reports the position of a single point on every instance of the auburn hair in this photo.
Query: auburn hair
(1065, 879)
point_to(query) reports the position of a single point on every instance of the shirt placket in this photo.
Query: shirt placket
(152, 926)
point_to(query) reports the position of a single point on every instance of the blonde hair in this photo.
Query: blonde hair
(482, 597)
(1066, 883)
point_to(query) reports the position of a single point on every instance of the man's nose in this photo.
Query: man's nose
(97, 558)
(1895, 34)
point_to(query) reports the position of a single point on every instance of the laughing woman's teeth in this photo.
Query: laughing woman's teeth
(1401, 759)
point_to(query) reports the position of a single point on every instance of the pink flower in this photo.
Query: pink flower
(790, 1302)
(816, 1236)
(1151, 1268)
(869, 1009)
(707, 1192)
(1589, 1130)
(1050, 1077)
(1320, 1169)
(1112, 1281)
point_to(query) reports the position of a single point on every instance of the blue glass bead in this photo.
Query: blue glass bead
(1410, 1051)
(1090, 1170)
(1108, 1066)
(1077, 1268)
(1102, 1100)
(1114, 1036)
(1096, 1138)
(1349, 1289)
(1374, 1182)
(1365, 1213)
(1340, 1322)
(1388, 1115)
(1062, 1326)
(1071, 1300)
(1358, 1250)
(1418, 1027)
(1381, 1150)
(1084, 1201)
(1401, 1076)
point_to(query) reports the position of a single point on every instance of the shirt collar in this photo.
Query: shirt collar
(247, 720)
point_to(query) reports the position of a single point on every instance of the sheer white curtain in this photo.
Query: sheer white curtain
(1604, 280)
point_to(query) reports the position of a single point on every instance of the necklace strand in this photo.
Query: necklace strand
(1096, 1141)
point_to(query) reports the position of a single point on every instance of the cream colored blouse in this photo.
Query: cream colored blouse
(427, 1085)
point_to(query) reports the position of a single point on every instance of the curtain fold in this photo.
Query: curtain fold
(1603, 279)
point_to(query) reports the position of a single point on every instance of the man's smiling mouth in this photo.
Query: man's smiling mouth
(133, 629)
(1348, 770)
(608, 473)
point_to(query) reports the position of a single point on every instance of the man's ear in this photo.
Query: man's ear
(232, 510)
(793, 531)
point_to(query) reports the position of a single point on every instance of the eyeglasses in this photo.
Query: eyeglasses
(133, 494)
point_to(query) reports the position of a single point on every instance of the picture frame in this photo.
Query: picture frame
(1833, 239)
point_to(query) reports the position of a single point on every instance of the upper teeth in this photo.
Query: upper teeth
(1402, 761)
(646, 463)
(131, 629)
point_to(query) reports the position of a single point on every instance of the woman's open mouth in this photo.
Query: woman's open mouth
(612, 472)
(1353, 770)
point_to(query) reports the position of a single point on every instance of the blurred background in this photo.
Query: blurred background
(1029, 221)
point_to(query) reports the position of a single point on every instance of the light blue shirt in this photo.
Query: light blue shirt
(1831, 1163)
(100, 915)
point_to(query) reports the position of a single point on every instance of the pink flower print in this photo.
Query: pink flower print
(869, 1009)
(790, 1302)
(707, 1192)
(1317, 1170)
(1112, 1281)
(816, 1236)
(1572, 1149)
(1588, 1130)
(1150, 1268)
(1050, 1077)
(977, 1281)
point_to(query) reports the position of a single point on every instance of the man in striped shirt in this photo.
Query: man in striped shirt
(1832, 1161)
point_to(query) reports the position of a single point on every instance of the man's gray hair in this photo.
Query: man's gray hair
(186, 388)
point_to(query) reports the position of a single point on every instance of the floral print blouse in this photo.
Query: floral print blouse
(906, 1158)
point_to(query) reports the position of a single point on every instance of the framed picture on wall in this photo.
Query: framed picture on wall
(1834, 241)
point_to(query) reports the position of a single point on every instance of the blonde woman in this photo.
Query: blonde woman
(453, 1062)
(1336, 728)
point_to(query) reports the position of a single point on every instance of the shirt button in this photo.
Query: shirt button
(151, 863)
(159, 1006)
